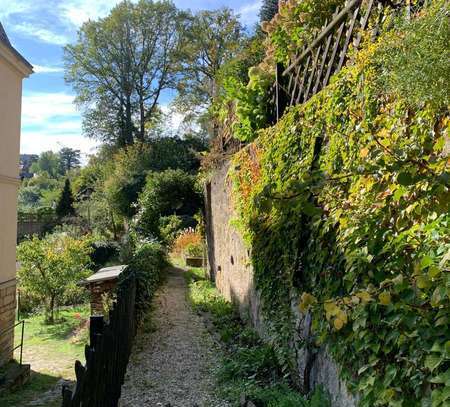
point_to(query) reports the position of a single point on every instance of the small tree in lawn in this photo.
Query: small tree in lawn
(52, 266)
(64, 206)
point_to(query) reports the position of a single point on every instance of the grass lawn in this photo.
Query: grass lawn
(51, 350)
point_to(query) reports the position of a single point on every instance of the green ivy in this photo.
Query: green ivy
(345, 202)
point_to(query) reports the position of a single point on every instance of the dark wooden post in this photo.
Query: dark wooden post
(97, 324)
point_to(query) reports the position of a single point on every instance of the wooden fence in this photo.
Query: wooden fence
(100, 380)
(311, 69)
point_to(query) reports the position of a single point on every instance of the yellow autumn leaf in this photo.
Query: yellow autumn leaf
(385, 298)
(423, 282)
(364, 152)
(364, 296)
(338, 324)
(306, 301)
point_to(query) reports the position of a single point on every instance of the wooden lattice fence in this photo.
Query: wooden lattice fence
(311, 69)
(99, 381)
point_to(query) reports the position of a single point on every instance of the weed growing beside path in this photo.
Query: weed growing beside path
(51, 350)
(249, 367)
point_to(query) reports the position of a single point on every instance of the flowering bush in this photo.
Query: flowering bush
(189, 242)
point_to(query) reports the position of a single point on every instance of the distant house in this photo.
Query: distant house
(13, 69)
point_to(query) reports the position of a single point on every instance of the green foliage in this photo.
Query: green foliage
(51, 267)
(252, 103)
(167, 193)
(49, 163)
(148, 263)
(249, 366)
(69, 159)
(416, 63)
(64, 207)
(212, 38)
(296, 24)
(39, 191)
(119, 87)
(346, 201)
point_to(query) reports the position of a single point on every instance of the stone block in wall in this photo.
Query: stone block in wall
(7, 318)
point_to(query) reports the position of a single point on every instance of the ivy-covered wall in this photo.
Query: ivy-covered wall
(345, 205)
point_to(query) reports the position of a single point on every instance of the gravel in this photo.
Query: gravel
(174, 364)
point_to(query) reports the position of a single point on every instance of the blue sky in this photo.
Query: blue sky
(39, 29)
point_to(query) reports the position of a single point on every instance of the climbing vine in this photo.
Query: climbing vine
(345, 203)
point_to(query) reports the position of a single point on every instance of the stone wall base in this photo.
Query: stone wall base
(7, 318)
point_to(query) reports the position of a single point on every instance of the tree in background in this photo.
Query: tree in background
(268, 9)
(69, 159)
(169, 197)
(120, 65)
(213, 38)
(48, 162)
(52, 266)
(64, 206)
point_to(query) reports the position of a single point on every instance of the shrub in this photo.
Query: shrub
(414, 59)
(103, 251)
(188, 238)
(147, 264)
(167, 193)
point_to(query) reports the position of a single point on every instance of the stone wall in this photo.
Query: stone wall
(230, 267)
(7, 318)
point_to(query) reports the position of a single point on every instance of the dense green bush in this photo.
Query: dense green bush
(414, 59)
(104, 251)
(167, 194)
(147, 264)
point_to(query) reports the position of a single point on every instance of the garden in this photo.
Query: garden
(342, 203)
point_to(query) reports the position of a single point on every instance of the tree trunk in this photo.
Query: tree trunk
(52, 310)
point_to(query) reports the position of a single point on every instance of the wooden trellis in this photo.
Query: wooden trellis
(311, 70)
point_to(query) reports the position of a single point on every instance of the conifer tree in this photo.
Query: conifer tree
(268, 9)
(65, 203)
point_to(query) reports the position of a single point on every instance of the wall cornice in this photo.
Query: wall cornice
(16, 61)
(4, 179)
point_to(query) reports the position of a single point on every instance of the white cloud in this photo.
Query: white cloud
(51, 121)
(8, 7)
(47, 69)
(39, 108)
(249, 13)
(79, 11)
(37, 142)
(33, 31)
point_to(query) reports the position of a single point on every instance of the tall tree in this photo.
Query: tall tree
(212, 39)
(64, 206)
(47, 162)
(69, 159)
(268, 9)
(120, 65)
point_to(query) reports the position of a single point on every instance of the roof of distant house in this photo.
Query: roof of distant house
(5, 41)
(105, 274)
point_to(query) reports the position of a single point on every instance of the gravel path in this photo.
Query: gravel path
(172, 366)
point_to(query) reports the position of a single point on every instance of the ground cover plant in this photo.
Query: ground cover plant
(249, 366)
